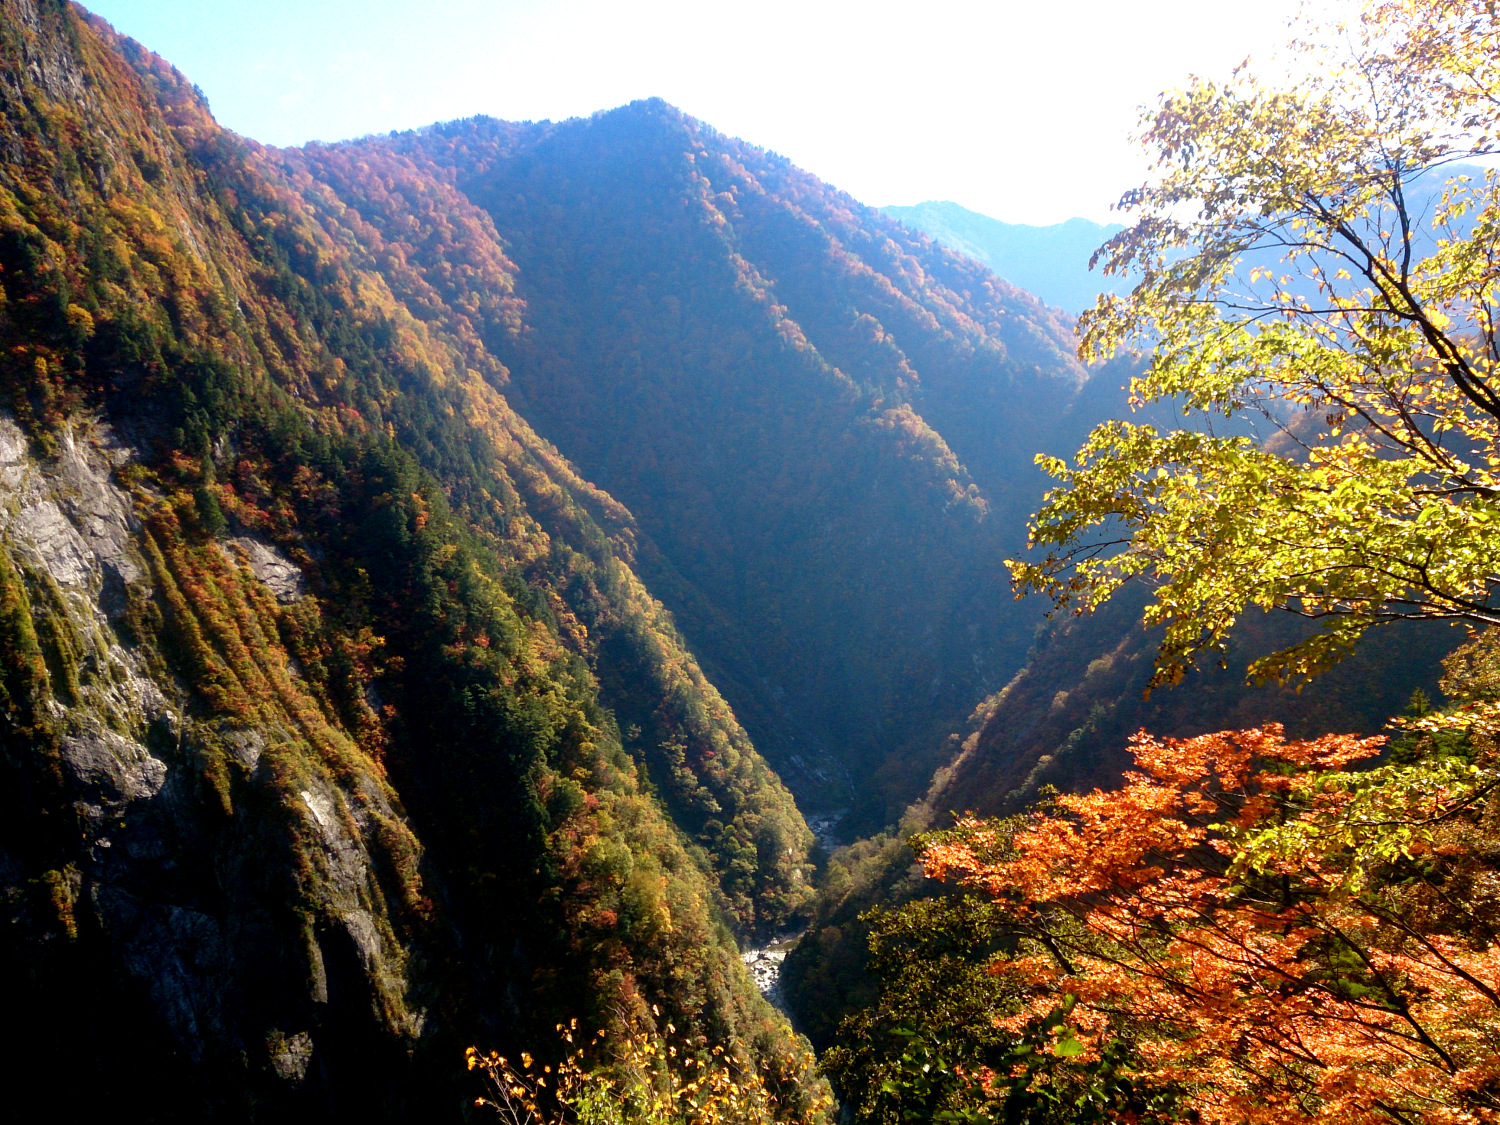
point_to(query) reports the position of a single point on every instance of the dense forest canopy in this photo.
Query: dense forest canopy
(339, 730)
(765, 372)
(423, 557)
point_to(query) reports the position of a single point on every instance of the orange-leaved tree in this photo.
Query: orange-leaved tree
(1277, 937)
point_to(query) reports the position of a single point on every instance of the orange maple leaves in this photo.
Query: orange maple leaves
(1279, 938)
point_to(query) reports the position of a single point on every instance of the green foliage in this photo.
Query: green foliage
(826, 976)
(24, 683)
(913, 1054)
(942, 1045)
(1310, 253)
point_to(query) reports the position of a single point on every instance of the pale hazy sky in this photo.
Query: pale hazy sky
(1019, 110)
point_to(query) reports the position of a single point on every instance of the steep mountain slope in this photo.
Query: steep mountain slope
(1050, 261)
(1064, 721)
(823, 423)
(409, 549)
(308, 646)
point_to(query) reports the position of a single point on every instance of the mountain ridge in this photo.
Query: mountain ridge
(1050, 260)
(328, 840)
(762, 244)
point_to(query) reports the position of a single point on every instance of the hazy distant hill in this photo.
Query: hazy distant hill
(1051, 262)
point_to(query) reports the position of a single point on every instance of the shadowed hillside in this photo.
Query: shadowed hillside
(310, 764)
(824, 424)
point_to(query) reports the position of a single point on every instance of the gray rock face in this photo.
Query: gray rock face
(290, 1055)
(182, 956)
(59, 546)
(342, 834)
(281, 574)
(247, 746)
(70, 522)
(240, 927)
(71, 518)
(117, 768)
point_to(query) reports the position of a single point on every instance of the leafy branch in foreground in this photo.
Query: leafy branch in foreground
(942, 1044)
(634, 1078)
(1308, 256)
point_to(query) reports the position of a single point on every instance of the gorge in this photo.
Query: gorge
(442, 574)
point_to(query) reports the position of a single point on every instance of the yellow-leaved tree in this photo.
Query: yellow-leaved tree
(640, 1077)
(1320, 255)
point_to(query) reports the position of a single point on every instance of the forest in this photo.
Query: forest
(446, 576)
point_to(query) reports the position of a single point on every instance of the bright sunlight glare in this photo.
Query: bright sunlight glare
(1018, 110)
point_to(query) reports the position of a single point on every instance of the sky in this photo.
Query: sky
(1021, 111)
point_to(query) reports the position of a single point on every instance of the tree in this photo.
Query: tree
(1248, 930)
(1272, 936)
(642, 1077)
(944, 1043)
(1312, 257)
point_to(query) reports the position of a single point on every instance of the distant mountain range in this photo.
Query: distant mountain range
(1049, 262)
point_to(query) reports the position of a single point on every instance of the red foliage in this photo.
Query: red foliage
(1281, 939)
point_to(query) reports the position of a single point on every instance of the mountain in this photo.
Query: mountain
(1051, 262)
(313, 652)
(1065, 720)
(438, 572)
(823, 423)
(423, 558)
